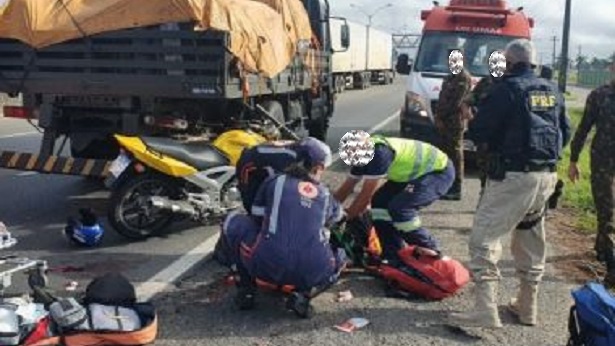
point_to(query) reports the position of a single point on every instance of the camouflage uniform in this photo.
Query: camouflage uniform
(451, 114)
(478, 94)
(600, 111)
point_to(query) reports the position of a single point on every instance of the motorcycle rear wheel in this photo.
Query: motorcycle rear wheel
(132, 195)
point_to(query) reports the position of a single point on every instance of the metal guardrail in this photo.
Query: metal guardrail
(594, 79)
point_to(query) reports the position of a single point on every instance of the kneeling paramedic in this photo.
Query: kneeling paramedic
(284, 241)
(254, 166)
(260, 162)
(523, 122)
(417, 174)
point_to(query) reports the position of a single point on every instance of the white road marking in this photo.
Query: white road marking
(165, 278)
(169, 275)
(26, 174)
(19, 134)
(377, 127)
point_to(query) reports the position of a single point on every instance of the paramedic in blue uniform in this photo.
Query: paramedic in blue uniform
(524, 125)
(416, 174)
(254, 166)
(285, 241)
(260, 162)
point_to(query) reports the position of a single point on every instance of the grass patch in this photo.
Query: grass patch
(578, 197)
(568, 96)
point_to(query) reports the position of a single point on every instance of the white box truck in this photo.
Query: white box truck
(368, 59)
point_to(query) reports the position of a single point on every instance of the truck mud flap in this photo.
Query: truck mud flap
(54, 164)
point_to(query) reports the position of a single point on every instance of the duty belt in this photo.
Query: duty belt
(532, 168)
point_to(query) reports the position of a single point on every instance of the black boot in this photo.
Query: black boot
(300, 304)
(454, 193)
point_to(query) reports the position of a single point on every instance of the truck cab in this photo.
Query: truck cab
(477, 28)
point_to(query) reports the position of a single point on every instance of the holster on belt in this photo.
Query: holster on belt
(496, 169)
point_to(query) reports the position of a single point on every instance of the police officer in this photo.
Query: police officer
(600, 112)
(451, 115)
(546, 72)
(417, 174)
(284, 242)
(474, 100)
(523, 121)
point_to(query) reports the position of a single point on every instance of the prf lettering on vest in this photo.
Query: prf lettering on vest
(541, 101)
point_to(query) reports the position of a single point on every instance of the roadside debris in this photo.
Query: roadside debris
(344, 296)
(352, 324)
(71, 286)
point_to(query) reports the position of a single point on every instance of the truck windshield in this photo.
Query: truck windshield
(476, 48)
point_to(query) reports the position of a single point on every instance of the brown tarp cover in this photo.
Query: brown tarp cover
(264, 33)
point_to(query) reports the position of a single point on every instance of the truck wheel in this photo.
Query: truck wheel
(129, 213)
(319, 128)
(277, 112)
(340, 84)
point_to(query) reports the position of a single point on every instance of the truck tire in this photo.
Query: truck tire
(319, 128)
(340, 84)
(276, 110)
(366, 81)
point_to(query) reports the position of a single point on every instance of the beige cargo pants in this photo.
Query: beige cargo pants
(502, 207)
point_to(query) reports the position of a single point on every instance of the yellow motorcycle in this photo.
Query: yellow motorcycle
(155, 180)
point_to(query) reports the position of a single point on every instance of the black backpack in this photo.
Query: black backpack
(111, 289)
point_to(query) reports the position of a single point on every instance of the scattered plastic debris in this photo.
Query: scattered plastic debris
(344, 296)
(6, 239)
(352, 324)
(71, 286)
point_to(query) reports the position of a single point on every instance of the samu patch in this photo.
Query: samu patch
(541, 101)
(308, 190)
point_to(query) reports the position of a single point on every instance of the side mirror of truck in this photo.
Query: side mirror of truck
(345, 36)
(403, 65)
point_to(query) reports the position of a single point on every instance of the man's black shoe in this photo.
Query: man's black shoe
(300, 305)
(245, 298)
(452, 196)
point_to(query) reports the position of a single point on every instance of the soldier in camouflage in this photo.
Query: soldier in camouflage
(600, 112)
(452, 114)
(473, 100)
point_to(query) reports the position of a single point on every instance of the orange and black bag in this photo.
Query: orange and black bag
(144, 336)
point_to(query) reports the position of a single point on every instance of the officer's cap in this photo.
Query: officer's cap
(314, 152)
(521, 51)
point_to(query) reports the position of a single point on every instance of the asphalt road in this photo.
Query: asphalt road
(35, 207)
(199, 311)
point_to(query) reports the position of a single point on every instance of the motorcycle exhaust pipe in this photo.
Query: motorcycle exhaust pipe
(176, 207)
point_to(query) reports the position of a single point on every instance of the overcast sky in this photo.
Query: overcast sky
(592, 24)
(592, 27)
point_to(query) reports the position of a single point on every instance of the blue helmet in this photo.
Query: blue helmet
(86, 231)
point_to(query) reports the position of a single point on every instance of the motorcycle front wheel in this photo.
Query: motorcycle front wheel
(129, 212)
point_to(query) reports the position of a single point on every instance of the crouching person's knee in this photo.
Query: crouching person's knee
(237, 228)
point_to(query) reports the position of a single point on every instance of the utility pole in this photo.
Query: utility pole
(563, 72)
(554, 39)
